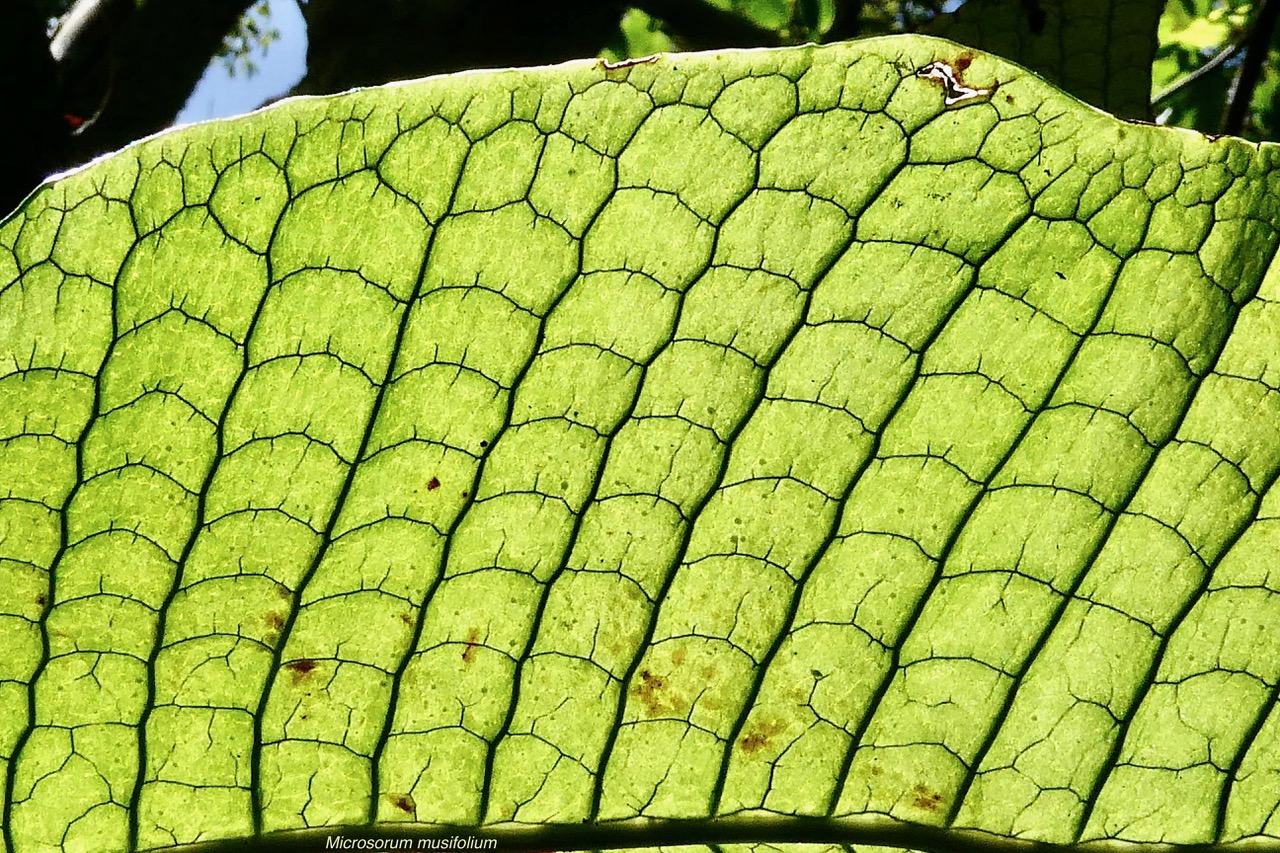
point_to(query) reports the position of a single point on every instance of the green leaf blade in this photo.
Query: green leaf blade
(801, 445)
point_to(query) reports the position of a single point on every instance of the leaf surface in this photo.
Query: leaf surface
(858, 444)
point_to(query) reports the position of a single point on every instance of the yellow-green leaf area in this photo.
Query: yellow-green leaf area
(864, 444)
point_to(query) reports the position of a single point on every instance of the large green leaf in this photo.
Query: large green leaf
(861, 443)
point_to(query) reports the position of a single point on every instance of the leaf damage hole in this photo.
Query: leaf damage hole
(624, 64)
(953, 88)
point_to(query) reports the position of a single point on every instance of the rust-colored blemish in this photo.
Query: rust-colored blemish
(404, 802)
(274, 621)
(300, 668)
(649, 691)
(926, 799)
(406, 618)
(433, 484)
(962, 63)
(41, 599)
(677, 657)
(284, 592)
(473, 643)
(760, 735)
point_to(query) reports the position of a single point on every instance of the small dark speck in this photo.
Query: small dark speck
(41, 600)
(433, 484)
(1060, 275)
(484, 442)
(466, 495)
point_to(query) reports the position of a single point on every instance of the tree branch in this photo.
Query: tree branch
(1256, 46)
(135, 65)
(371, 42)
(30, 97)
(848, 20)
(1203, 71)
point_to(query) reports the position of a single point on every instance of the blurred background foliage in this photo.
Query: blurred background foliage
(82, 77)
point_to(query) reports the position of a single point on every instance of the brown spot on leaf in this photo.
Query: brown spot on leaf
(275, 621)
(404, 802)
(284, 592)
(406, 618)
(962, 63)
(300, 668)
(926, 799)
(433, 484)
(473, 643)
(649, 692)
(760, 734)
(42, 600)
(677, 657)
